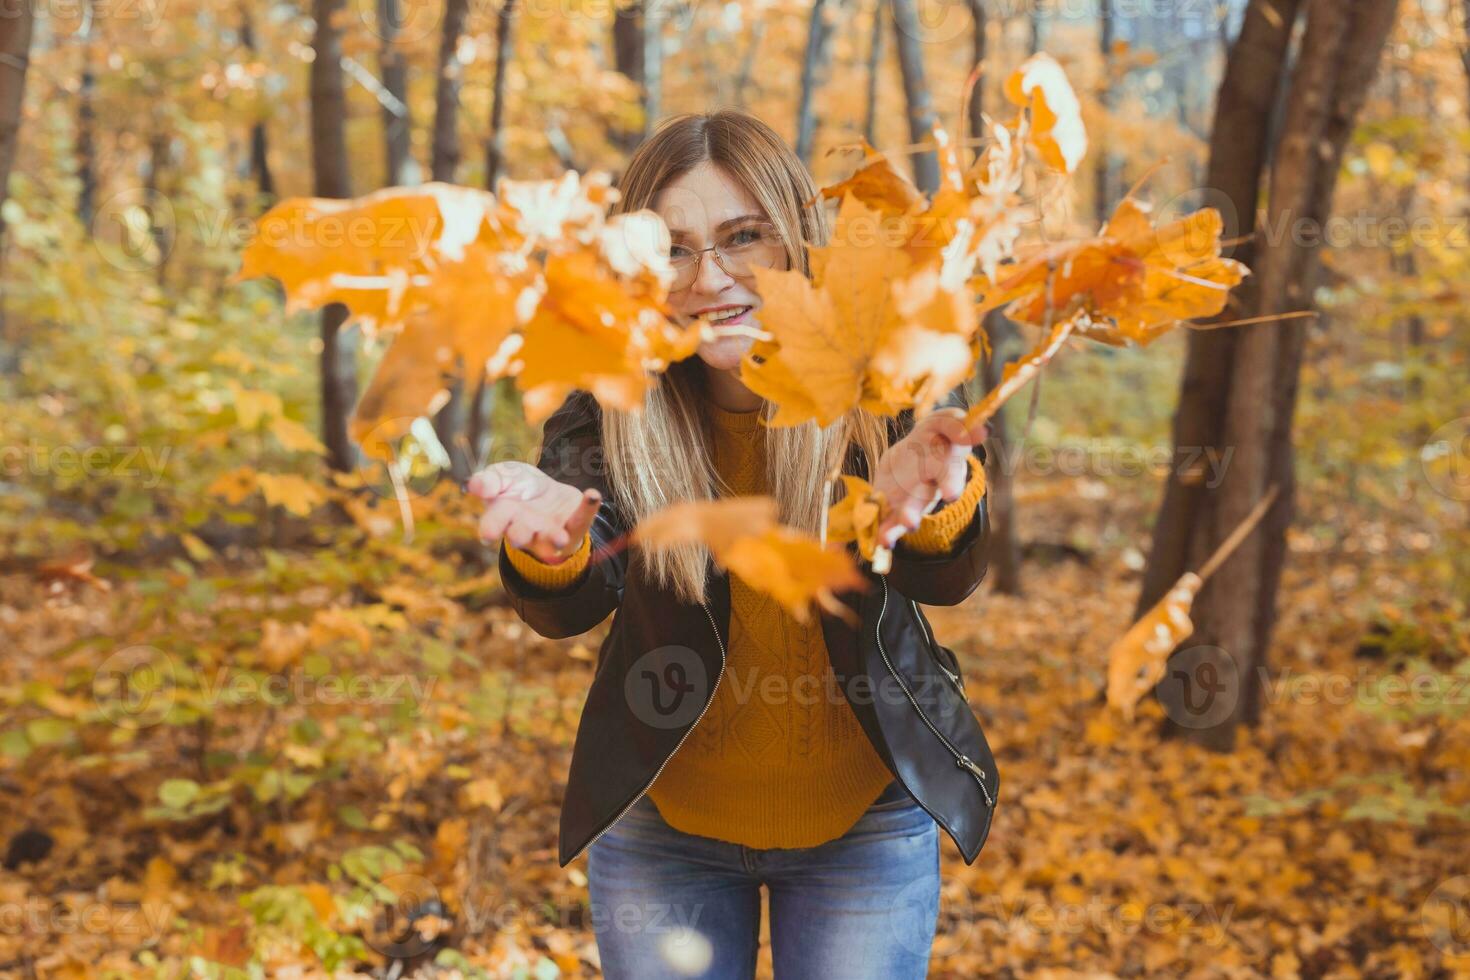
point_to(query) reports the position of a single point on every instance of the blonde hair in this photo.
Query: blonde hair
(661, 455)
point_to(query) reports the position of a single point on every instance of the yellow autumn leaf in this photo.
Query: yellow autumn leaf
(1055, 125)
(857, 515)
(867, 333)
(236, 485)
(744, 538)
(295, 436)
(1138, 660)
(296, 494)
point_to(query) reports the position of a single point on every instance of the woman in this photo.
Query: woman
(724, 745)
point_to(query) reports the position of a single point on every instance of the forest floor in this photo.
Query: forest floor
(251, 754)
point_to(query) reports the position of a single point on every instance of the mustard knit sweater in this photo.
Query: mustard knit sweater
(778, 759)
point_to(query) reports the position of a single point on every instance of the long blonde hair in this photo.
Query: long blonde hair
(661, 455)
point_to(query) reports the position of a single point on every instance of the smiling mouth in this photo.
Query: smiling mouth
(728, 316)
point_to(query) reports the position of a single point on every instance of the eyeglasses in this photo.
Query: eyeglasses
(739, 253)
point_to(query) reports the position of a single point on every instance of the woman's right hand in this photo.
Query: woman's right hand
(532, 511)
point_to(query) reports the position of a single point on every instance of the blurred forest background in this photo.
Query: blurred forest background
(248, 728)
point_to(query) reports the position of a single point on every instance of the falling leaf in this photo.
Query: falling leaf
(717, 523)
(857, 515)
(1016, 374)
(1130, 285)
(601, 332)
(1137, 661)
(1056, 130)
(865, 333)
(878, 184)
(744, 537)
(793, 568)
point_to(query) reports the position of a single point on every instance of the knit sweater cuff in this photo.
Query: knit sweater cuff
(938, 531)
(558, 576)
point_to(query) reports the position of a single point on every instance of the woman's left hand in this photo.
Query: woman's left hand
(924, 466)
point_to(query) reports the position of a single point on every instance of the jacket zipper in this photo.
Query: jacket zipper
(609, 825)
(959, 685)
(960, 759)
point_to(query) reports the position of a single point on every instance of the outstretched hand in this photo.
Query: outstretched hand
(532, 511)
(925, 466)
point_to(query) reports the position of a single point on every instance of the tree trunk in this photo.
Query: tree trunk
(331, 179)
(15, 50)
(909, 34)
(638, 54)
(1465, 42)
(653, 65)
(979, 49)
(1103, 174)
(628, 59)
(87, 135)
(747, 61)
(259, 155)
(1002, 455)
(443, 166)
(1346, 73)
(875, 67)
(397, 124)
(813, 74)
(160, 153)
(446, 152)
(1238, 151)
(1242, 395)
(504, 49)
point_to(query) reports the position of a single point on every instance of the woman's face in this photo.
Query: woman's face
(701, 208)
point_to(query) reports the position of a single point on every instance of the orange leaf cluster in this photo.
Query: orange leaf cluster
(886, 321)
(1130, 285)
(471, 285)
(744, 537)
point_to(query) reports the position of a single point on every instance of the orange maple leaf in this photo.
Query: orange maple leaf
(1130, 285)
(857, 515)
(744, 537)
(1055, 127)
(865, 330)
(1137, 661)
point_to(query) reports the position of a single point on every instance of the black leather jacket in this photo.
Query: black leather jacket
(658, 667)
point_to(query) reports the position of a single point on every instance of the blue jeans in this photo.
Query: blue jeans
(667, 904)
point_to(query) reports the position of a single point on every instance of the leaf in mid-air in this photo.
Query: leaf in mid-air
(974, 217)
(856, 516)
(866, 330)
(744, 537)
(1136, 662)
(1130, 285)
(383, 255)
(599, 329)
(1055, 125)
(1016, 374)
(878, 184)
